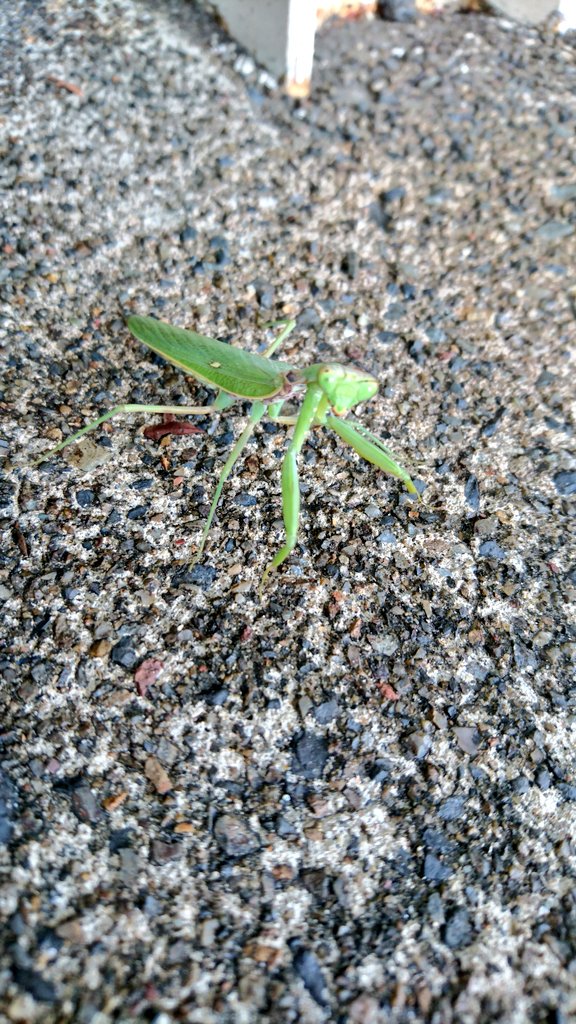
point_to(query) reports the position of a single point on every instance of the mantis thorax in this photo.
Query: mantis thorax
(344, 386)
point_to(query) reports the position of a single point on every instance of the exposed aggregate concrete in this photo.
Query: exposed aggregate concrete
(356, 801)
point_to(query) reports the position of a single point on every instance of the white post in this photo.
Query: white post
(302, 18)
(280, 33)
(262, 27)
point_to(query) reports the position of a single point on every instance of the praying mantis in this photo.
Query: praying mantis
(328, 391)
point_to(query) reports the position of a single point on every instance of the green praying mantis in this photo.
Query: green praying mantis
(328, 391)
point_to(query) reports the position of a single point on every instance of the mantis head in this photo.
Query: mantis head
(345, 387)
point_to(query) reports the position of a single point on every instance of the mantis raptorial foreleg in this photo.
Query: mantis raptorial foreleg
(371, 448)
(290, 482)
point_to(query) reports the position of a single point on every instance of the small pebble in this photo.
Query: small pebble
(235, 837)
(310, 753)
(565, 483)
(457, 931)
(123, 654)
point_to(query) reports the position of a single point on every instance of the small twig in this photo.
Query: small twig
(60, 83)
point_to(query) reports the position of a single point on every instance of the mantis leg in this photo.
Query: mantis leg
(290, 481)
(258, 410)
(289, 421)
(286, 421)
(178, 410)
(222, 401)
(370, 448)
(288, 326)
(274, 410)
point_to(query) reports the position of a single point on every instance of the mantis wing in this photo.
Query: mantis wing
(233, 370)
(370, 448)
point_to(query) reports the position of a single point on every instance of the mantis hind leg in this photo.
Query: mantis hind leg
(176, 410)
(258, 410)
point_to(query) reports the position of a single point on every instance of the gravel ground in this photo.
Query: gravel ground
(356, 801)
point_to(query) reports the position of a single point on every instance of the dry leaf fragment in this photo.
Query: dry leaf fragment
(159, 778)
(170, 426)
(112, 802)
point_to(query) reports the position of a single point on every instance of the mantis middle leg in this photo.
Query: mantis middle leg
(258, 410)
(288, 326)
